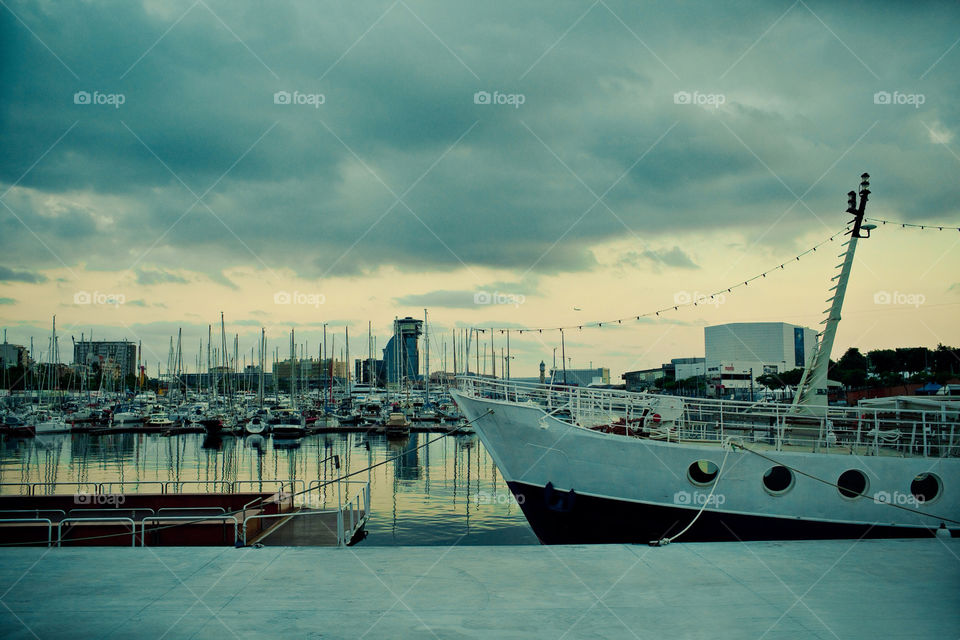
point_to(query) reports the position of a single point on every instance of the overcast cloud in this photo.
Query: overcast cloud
(616, 120)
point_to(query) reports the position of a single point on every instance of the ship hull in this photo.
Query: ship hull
(579, 486)
(556, 519)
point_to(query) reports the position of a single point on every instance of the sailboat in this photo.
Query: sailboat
(604, 466)
(289, 423)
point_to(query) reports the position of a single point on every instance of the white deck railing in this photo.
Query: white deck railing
(862, 430)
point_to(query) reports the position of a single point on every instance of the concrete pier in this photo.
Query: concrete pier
(833, 589)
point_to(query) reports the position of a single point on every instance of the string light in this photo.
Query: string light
(904, 225)
(696, 302)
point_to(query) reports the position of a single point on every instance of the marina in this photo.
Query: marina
(425, 490)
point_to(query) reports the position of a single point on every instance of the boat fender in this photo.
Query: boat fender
(651, 421)
(557, 500)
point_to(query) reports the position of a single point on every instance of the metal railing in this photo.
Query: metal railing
(212, 510)
(352, 512)
(32, 487)
(28, 520)
(133, 527)
(35, 512)
(861, 429)
(172, 487)
(197, 519)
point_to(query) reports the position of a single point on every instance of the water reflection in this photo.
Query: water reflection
(446, 492)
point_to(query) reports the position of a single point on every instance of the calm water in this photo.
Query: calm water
(444, 493)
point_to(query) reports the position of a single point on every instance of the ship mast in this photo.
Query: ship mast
(811, 396)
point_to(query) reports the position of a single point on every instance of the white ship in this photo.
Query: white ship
(600, 466)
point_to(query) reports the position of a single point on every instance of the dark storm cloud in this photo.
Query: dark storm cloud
(315, 189)
(11, 275)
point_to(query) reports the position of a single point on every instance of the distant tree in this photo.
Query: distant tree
(694, 385)
(913, 359)
(851, 370)
(771, 381)
(853, 359)
(777, 381)
(883, 361)
(792, 377)
(946, 360)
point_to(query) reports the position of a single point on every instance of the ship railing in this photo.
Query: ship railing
(927, 433)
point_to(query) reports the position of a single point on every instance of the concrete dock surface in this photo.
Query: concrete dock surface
(822, 589)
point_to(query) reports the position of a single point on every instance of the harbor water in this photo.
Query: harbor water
(426, 489)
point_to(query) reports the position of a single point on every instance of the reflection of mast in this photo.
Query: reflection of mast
(426, 470)
(467, 501)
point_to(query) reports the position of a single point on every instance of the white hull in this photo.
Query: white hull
(535, 450)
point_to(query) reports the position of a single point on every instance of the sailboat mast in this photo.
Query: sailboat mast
(426, 340)
(263, 348)
(293, 373)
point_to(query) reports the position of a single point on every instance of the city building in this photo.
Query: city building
(443, 378)
(582, 377)
(401, 360)
(99, 355)
(738, 352)
(13, 355)
(311, 372)
(368, 371)
(683, 368)
(677, 369)
(642, 379)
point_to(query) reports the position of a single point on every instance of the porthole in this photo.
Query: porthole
(702, 473)
(778, 480)
(926, 487)
(852, 483)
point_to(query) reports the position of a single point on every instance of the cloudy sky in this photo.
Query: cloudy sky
(299, 163)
